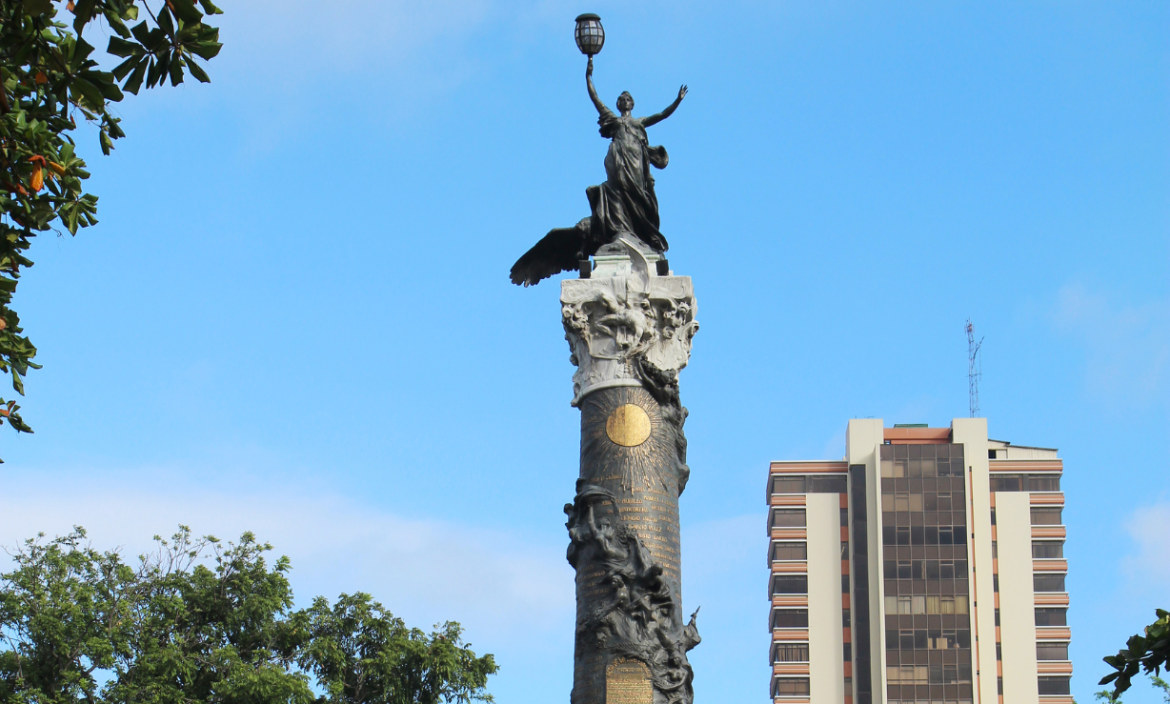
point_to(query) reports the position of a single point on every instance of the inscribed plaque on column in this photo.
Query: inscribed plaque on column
(627, 681)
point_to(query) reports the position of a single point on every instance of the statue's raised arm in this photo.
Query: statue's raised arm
(601, 108)
(659, 117)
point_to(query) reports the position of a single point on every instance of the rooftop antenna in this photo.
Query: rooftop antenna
(974, 368)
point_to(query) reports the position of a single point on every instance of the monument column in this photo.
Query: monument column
(630, 333)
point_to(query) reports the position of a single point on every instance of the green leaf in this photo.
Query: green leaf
(91, 93)
(186, 11)
(141, 32)
(36, 8)
(155, 72)
(124, 68)
(176, 70)
(197, 71)
(121, 47)
(81, 51)
(205, 49)
(210, 9)
(135, 81)
(83, 12)
(165, 22)
(118, 24)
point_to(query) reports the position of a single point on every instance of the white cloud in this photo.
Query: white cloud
(1149, 526)
(352, 35)
(1127, 347)
(494, 582)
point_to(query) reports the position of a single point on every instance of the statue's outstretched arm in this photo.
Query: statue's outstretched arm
(601, 109)
(655, 119)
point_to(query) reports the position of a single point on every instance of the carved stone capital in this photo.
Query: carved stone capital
(615, 323)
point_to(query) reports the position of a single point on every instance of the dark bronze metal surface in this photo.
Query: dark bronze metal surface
(625, 204)
(624, 543)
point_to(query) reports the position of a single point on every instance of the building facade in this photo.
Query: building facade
(927, 567)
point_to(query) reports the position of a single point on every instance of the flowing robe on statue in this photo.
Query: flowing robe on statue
(626, 203)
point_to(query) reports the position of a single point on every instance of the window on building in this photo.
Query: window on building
(903, 535)
(893, 469)
(944, 501)
(992, 515)
(997, 617)
(845, 618)
(909, 674)
(999, 684)
(950, 604)
(848, 652)
(790, 584)
(1047, 549)
(1044, 482)
(790, 551)
(790, 618)
(995, 582)
(1051, 617)
(844, 518)
(903, 569)
(994, 549)
(1006, 482)
(788, 518)
(790, 652)
(1052, 651)
(788, 485)
(940, 605)
(1054, 685)
(999, 651)
(833, 484)
(789, 686)
(844, 584)
(1048, 582)
(1046, 516)
(905, 640)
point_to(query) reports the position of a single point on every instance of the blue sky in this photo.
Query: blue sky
(295, 316)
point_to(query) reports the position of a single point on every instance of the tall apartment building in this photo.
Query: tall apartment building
(927, 567)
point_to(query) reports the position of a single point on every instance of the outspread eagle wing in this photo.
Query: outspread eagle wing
(555, 252)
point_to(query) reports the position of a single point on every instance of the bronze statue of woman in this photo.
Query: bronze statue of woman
(626, 202)
(624, 205)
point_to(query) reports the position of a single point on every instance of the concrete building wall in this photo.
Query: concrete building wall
(1016, 599)
(862, 438)
(972, 433)
(826, 657)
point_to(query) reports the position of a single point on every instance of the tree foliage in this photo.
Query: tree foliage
(1107, 696)
(1142, 653)
(48, 80)
(1162, 685)
(198, 621)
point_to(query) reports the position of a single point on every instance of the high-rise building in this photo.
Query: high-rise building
(926, 567)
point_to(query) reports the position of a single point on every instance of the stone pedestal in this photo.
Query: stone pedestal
(630, 334)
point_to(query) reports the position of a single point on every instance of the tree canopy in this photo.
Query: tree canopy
(1148, 652)
(200, 621)
(48, 80)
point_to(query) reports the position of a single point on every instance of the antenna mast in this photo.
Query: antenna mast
(974, 368)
